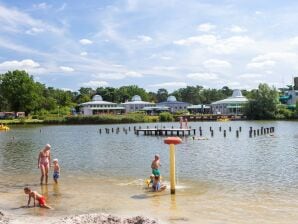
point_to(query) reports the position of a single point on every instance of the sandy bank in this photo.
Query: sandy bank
(104, 219)
(100, 218)
(3, 219)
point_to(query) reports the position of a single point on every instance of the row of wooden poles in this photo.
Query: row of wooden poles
(252, 132)
(261, 131)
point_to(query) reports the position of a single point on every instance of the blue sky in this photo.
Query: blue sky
(153, 44)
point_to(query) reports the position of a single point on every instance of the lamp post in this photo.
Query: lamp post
(172, 141)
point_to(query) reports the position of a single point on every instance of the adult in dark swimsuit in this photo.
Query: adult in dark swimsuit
(44, 162)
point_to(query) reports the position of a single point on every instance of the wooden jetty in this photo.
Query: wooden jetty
(166, 131)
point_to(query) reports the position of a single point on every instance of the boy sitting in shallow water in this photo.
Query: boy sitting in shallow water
(156, 185)
(40, 198)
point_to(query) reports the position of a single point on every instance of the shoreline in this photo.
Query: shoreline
(92, 218)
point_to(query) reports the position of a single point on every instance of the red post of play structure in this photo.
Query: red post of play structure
(172, 141)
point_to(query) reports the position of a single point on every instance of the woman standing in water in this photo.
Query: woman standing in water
(44, 164)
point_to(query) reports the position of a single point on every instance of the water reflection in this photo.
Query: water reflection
(213, 175)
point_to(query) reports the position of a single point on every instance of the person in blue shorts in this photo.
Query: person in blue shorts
(56, 173)
(156, 185)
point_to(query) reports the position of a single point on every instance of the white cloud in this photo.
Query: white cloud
(28, 65)
(166, 58)
(206, 27)
(118, 75)
(24, 64)
(42, 5)
(293, 41)
(18, 21)
(133, 74)
(66, 69)
(34, 30)
(218, 45)
(250, 76)
(232, 44)
(261, 64)
(84, 53)
(202, 76)
(144, 38)
(215, 63)
(63, 6)
(169, 84)
(85, 42)
(95, 84)
(237, 29)
(277, 56)
(165, 68)
(202, 39)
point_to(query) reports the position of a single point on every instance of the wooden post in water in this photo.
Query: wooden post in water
(172, 141)
(230, 129)
(237, 134)
(225, 133)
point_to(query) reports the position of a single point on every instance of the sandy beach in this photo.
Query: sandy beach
(96, 218)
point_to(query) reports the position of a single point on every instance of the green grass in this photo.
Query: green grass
(21, 121)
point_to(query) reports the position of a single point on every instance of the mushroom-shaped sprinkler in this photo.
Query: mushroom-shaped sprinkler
(172, 141)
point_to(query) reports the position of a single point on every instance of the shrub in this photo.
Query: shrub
(165, 116)
(284, 113)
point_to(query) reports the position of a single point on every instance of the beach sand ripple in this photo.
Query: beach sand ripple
(104, 219)
(3, 219)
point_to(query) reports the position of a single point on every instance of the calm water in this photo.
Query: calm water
(220, 180)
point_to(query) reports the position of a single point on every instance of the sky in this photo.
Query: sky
(153, 44)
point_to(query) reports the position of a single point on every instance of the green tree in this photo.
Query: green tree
(162, 95)
(127, 92)
(20, 91)
(263, 103)
(108, 93)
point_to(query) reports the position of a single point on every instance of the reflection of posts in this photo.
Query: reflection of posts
(172, 141)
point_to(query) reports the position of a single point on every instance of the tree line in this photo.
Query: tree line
(20, 92)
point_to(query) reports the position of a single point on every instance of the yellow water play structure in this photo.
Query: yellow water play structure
(4, 127)
(172, 141)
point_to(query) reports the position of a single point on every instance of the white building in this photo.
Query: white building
(136, 104)
(98, 106)
(173, 104)
(231, 105)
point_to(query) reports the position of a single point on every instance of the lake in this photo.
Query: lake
(219, 180)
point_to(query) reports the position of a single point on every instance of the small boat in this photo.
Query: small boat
(4, 128)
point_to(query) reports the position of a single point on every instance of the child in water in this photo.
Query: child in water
(156, 185)
(40, 198)
(56, 173)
